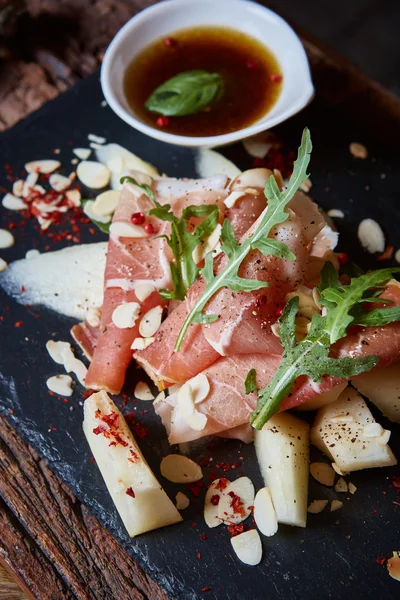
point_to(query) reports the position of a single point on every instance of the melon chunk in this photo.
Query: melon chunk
(382, 387)
(282, 448)
(138, 497)
(342, 431)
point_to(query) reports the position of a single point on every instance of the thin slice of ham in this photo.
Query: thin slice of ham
(135, 261)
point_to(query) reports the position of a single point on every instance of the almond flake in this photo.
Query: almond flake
(181, 501)
(200, 387)
(29, 184)
(106, 203)
(373, 430)
(61, 353)
(371, 236)
(82, 153)
(358, 150)
(140, 343)
(160, 397)
(335, 213)
(143, 291)
(180, 469)
(151, 321)
(127, 230)
(397, 256)
(247, 547)
(211, 501)
(341, 485)
(254, 178)
(352, 488)
(60, 384)
(3, 265)
(42, 166)
(208, 245)
(306, 185)
(187, 409)
(59, 182)
(125, 315)
(257, 145)
(264, 513)
(323, 473)
(88, 210)
(93, 174)
(143, 391)
(98, 139)
(335, 505)
(317, 506)
(233, 197)
(6, 239)
(393, 566)
(17, 188)
(74, 161)
(74, 196)
(32, 253)
(237, 501)
(11, 202)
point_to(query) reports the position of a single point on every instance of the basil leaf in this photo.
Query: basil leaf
(250, 383)
(186, 94)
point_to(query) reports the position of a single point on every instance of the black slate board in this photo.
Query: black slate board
(335, 557)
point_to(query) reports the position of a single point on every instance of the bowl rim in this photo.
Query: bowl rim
(191, 141)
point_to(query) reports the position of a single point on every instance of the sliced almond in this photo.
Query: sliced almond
(187, 409)
(32, 253)
(93, 174)
(181, 501)
(264, 513)
(341, 485)
(371, 236)
(98, 139)
(237, 501)
(88, 210)
(254, 178)
(57, 350)
(59, 182)
(211, 501)
(200, 387)
(74, 196)
(3, 265)
(140, 343)
(29, 184)
(352, 488)
(393, 566)
(180, 469)
(11, 202)
(127, 230)
(335, 505)
(247, 547)
(125, 315)
(6, 239)
(209, 163)
(60, 384)
(317, 506)
(42, 166)
(208, 245)
(358, 150)
(335, 213)
(306, 185)
(151, 321)
(106, 203)
(323, 473)
(373, 430)
(397, 256)
(233, 197)
(143, 291)
(258, 145)
(143, 391)
(17, 188)
(82, 153)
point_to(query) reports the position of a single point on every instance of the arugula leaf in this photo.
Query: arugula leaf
(273, 215)
(341, 300)
(250, 383)
(186, 94)
(146, 189)
(308, 357)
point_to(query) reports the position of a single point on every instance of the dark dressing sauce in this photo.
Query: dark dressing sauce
(252, 79)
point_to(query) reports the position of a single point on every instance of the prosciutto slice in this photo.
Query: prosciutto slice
(134, 261)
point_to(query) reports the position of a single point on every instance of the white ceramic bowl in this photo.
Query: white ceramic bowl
(166, 17)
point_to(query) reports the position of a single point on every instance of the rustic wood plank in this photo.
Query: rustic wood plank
(55, 547)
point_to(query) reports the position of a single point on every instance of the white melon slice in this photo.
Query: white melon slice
(282, 448)
(341, 431)
(325, 398)
(138, 497)
(382, 387)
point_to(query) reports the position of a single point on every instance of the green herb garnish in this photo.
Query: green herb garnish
(310, 357)
(186, 94)
(250, 383)
(273, 215)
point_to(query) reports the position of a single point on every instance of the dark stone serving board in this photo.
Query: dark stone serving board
(335, 557)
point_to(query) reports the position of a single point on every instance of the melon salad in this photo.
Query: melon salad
(228, 293)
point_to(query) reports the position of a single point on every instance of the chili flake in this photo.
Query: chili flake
(381, 560)
(237, 504)
(130, 492)
(215, 499)
(235, 529)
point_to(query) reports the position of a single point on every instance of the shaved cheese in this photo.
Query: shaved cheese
(60, 384)
(98, 139)
(151, 321)
(6, 238)
(247, 547)
(181, 501)
(180, 469)
(93, 174)
(125, 315)
(237, 501)
(11, 202)
(106, 203)
(323, 473)
(317, 506)
(258, 145)
(140, 343)
(42, 166)
(143, 291)
(371, 236)
(82, 153)
(59, 182)
(264, 513)
(143, 391)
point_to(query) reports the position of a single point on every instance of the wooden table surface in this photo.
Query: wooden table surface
(54, 548)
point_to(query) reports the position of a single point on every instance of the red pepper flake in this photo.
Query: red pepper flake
(381, 560)
(87, 393)
(396, 481)
(222, 483)
(18, 324)
(275, 78)
(206, 589)
(130, 492)
(215, 499)
(343, 258)
(195, 488)
(237, 504)
(99, 429)
(22, 289)
(203, 537)
(194, 524)
(198, 555)
(118, 440)
(111, 419)
(149, 228)
(170, 42)
(138, 218)
(235, 529)
(10, 410)
(373, 512)
(92, 460)
(137, 428)
(162, 122)
(134, 457)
